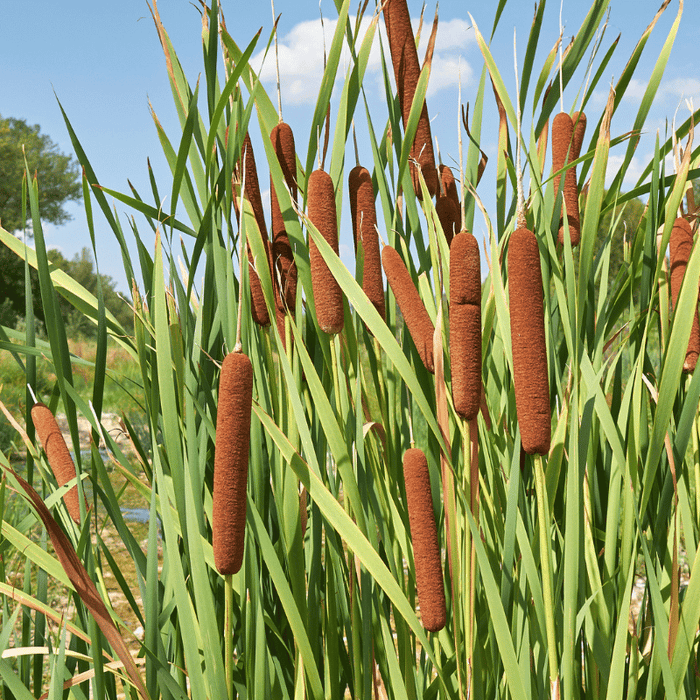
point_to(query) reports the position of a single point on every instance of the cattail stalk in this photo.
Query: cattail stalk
(58, 455)
(412, 308)
(328, 297)
(567, 137)
(364, 227)
(681, 244)
(465, 324)
(404, 57)
(426, 550)
(543, 525)
(530, 373)
(231, 462)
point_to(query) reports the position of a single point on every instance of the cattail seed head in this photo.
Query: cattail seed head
(58, 455)
(564, 142)
(448, 184)
(404, 57)
(579, 121)
(328, 297)
(426, 550)
(283, 259)
(449, 215)
(364, 227)
(412, 308)
(681, 244)
(252, 193)
(465, 324)
(282, 139)
(530, 373)
(231, 462)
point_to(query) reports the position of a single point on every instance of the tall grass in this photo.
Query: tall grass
(540, 554)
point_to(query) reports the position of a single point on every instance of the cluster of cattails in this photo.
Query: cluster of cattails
(58, 455)
(364, 228)
(404, 57)
(567, 138)
(231, 462)
(681, 244)
(426, 550)
(412, 308)
(527, 332)
(252, 192)
(284, 267)
(280, 259)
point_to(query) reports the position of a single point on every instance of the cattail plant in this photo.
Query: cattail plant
(426, 550)
(404, 57)
(284, 267)
(252, 193)
(449, 215)
(364, 227)
(681, 244)
(58, 455)
(231, 462)
(465, 324)
(567, 137)
(448, 184)
(328, 297)
(414, 312)
(530, 373)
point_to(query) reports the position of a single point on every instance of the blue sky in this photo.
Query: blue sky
(104, 62)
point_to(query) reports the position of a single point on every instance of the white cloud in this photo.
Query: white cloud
(674, 91)
(635, 90)
(633, 173)
(301, 56)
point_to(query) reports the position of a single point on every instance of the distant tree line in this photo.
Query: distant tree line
(81, 269)
(59, 182)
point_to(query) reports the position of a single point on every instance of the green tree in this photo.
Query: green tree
(12, 297)
(628, 217)
(59, 183)
(58, 174)
(81, 269)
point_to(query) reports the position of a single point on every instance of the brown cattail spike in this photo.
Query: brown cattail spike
(449, 215)
(448, 184)
(252, 193)
(284, 268)
(566, 146)
(414, 313)
(465, 324)
(58, 455)
(426, 550)
(528, 340)
(364, 228)
(283, 142)
(328, 297)
(231, 462)
(680, 246)
(404, 57)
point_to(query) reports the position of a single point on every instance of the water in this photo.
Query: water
(138, 515)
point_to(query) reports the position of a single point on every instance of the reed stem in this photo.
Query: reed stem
(547, 588)
(228, 634)
(469, 552)
(696, 467)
